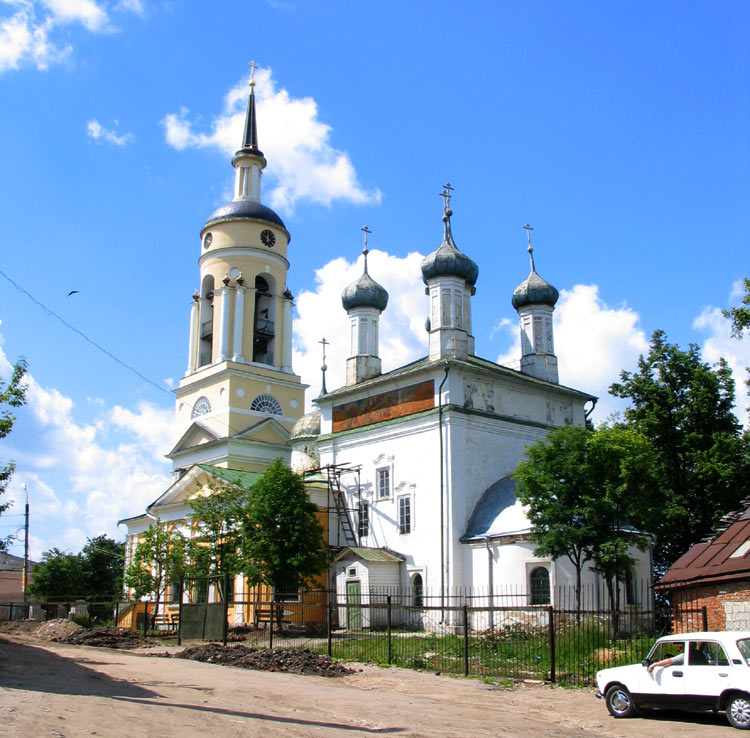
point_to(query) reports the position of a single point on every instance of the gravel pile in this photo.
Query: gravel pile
(107, 638)
(263, 659)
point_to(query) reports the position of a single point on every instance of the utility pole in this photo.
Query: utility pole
(26, 550)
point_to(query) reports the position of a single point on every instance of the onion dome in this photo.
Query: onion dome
(365, 292)
(534, 290)
(308, 426)
(447, 260)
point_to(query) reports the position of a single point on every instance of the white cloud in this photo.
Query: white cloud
(302, 163)
(402, 334)
(718, 343)
(83, 477)
(95, 130)
(28, 37)
(593, 342)
(87, 12)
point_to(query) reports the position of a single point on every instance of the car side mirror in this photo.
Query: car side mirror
(644, 662)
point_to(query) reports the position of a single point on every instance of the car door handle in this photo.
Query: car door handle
(677, 673)
(723, 674)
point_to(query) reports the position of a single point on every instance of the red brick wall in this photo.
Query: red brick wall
(713, 597)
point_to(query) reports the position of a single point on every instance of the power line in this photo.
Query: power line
(83, 335)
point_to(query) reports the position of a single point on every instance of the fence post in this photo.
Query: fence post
(145, 619)
(179, 611)
(117, 613)
(551, 615)
(88, 610)
(330, 628)
(388, 601)
(466, 640)
(704, 613)
(226, 609)
(270, 624)
(10, 612)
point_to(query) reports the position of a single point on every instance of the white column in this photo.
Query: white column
(254, 173)
(286, 337)
(193, 344)
(239, 314)
(224, 346)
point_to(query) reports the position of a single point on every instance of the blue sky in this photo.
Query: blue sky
(619, 131)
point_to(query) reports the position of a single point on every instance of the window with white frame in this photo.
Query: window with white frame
(363, 520)
(383, 483)
(404, 515)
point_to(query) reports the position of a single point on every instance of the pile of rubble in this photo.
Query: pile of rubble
(263, 659)
(51, 630)
(106, 638)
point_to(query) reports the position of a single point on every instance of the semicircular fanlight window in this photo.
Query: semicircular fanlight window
(202, 407)
(266, 404)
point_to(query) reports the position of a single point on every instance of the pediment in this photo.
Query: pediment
(196, 435)
(268, 430)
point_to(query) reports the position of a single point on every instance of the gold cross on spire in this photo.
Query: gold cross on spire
(252, 66)
(446, 195)
(366, 231)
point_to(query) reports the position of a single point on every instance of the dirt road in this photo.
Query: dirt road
(58, 691)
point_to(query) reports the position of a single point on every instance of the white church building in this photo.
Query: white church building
(414, 467)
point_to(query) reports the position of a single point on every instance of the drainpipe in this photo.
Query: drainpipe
(442, 496)
(489, 582)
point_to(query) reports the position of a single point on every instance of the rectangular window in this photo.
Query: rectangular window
(364, 520)
(404, 514)
(384, 483)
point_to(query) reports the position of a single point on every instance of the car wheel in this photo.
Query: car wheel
(738, 711)
(619, 702)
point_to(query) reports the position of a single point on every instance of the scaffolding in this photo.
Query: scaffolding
(336, 502)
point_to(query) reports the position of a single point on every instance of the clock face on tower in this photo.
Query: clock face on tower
(207, 240)
(267, 238)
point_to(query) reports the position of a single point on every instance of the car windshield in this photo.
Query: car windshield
(744, 645)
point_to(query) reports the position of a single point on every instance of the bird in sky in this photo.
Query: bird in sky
(72, 292)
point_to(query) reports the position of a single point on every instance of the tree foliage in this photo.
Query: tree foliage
(585, 491)
(740, 316)
(282, 543)
(684, 407)
(157, 562)
(12, 395)
(93, 574)
(103, 560)
(59, 576)
(213, 548)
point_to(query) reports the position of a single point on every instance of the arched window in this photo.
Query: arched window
(264, 329)
(206, 321)
(266, 404)
(539, 580)
(202, 407)
(417, 590)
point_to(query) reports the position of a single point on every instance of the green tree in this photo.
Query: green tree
(11, 395)
(585, 492)
(59, 577)
(158, 562)
(102, 560)
(282, 542)
(684, 407)
(213, 548)
(740, 316)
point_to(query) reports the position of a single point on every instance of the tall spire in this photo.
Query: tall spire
(250, 139)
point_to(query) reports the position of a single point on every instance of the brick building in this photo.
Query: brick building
(714, 574)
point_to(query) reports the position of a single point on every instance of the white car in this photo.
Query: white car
(686, 671)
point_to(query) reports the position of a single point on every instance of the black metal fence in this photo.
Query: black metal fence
(471, 632)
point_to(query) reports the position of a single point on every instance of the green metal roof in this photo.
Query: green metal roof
(371, 554)
(244, 479)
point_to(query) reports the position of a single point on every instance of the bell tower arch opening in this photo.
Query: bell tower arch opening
(264, 327)
(206, 321)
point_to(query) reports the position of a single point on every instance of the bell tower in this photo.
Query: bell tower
(239, 396)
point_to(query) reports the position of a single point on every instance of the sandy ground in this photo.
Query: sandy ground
(61, 691)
